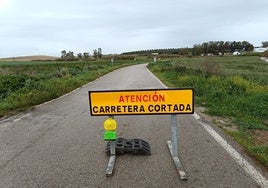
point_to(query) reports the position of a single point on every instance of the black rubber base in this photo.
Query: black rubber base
(132, 146)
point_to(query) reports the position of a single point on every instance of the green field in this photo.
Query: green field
(234, 88)
(25, 84)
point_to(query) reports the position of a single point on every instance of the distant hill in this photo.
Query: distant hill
(30, 58)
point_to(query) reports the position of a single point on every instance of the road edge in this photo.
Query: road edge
(239, 159)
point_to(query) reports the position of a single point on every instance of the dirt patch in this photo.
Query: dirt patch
(260, 137)
(225, 123)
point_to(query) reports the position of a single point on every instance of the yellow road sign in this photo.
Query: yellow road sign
(141, 102)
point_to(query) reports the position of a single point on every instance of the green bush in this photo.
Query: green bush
(11, 83)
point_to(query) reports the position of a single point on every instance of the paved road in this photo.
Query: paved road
(58, 144)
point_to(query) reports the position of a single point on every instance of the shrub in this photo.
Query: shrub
(11, 83)
(209, 68)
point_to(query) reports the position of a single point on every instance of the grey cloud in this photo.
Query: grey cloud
(116, 26)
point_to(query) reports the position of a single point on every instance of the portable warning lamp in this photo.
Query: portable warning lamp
(110, 126)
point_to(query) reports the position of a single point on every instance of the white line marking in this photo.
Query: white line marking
(20, 118)
(14, 121)
(248, 168)
(196, 116)
(242, 162)
(156, 78)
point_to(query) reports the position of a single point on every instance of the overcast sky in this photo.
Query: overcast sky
(35, 27)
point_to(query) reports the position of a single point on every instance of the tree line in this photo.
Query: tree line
(211, 47)
(206, 48)
(221, 47)
(69, 56)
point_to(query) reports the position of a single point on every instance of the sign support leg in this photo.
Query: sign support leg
(110, 167)
(173, 147)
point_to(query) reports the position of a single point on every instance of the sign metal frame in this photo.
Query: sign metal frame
(172, 144)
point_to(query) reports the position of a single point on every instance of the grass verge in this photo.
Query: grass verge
(25, 84)
(229, 87)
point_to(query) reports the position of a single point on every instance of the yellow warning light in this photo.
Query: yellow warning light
(110, 124)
